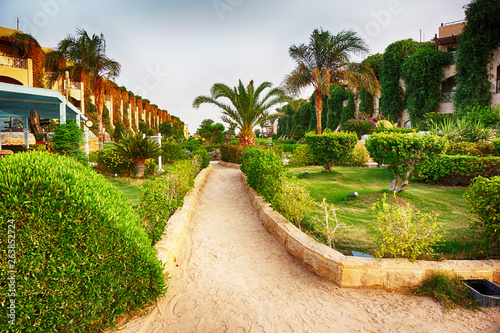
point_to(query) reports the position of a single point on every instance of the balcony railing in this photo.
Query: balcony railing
(13, 62)
(447, 97)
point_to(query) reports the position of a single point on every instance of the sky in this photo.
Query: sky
(172, 51)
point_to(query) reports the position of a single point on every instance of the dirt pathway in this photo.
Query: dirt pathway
(234, 277)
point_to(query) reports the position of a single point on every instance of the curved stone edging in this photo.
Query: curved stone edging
(170, 245)
(355, 272)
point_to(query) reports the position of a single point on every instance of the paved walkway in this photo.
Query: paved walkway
(232, 276)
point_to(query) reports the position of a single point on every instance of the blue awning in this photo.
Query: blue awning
(18, 101)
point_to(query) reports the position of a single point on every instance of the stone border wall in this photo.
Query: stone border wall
(178, 226)
(355, 272)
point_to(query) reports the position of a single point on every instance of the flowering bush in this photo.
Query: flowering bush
(109, 161)
(363, 124)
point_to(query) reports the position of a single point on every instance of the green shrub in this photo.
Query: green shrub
(193, 144)
(302, 156)
(400, 130)
(292, 200)
(205, 158)
(404, 231)
(449, 291)
(359, 158)
(456, 170)
(67, 140)
(285, 142)
(288, 148)
(471, 149)
(231, 153)
(331, 148)
(172, 152)
(82, 258)
(274, 137)
(161, 197)
(483, 197)
(138, 149)
(247, 157)
(496, 144)
(403, 152)
(264, 172)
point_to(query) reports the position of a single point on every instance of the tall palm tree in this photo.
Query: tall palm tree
(246, 110)
(84, 56)
(325, 60)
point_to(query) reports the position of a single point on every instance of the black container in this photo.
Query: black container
(485, 291)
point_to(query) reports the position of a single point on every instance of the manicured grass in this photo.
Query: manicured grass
(371, 183)
(129, 186)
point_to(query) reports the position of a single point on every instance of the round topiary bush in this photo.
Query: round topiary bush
(80, 256)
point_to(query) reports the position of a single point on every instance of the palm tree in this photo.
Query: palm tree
(137, 148)
(86, 58)
(325, 60)
(246, 110)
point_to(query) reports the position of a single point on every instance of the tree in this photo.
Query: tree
(247, 110)
(204, 122)
(138, 149)
(166, 129)
(212, 133)
(84, 56)
(325, 60)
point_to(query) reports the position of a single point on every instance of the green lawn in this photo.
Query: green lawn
(370, 183)
(129, 186)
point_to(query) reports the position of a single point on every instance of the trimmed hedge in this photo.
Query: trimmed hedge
(231, 153)
(496, 144)
(264, 170)
(81, 256)
(400, 130)
(483, 196)
(331, 148)
(172, 152)
(472, 149)
(457, 170)
(161, 197)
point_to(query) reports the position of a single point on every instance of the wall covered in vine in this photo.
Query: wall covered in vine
(479, 38)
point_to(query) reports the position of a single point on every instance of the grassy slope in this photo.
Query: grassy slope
(371, 183)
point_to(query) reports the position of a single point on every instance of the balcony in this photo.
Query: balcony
(13, 62)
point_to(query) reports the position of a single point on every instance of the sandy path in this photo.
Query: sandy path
(234, 277)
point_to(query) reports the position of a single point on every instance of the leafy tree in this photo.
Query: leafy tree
(119, 131)
(212, 133)
(67, 141)
(246, 110)
(85, 56)
(204, 122)
(166, 129)
(143, 127)
(325, 60)
(366, 104)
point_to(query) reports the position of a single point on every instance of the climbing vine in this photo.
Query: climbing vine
(28, 48)
(479, 38)
(393, 99)
(422, 73)
(366, 105)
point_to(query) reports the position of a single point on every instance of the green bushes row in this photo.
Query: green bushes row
(81, 257)
(472, 149)
(231, 153)
(108, 161)
(457, 170)
(266, 174)
(172, 152)
(400, 130)
(483, 196)
(161, 197)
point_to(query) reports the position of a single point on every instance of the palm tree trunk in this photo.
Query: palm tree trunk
(246, 139)
(139, 166)
(99, 96)
(319, 109)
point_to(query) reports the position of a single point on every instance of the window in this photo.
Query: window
(447, 88)
(498, 79)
